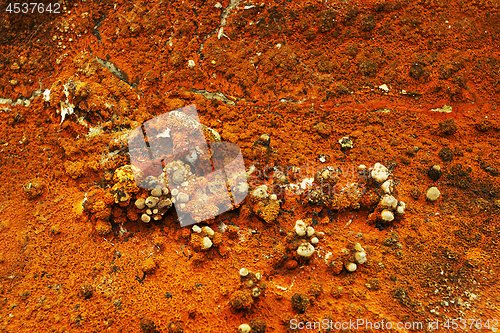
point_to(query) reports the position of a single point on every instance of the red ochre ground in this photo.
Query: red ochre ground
(307, 74)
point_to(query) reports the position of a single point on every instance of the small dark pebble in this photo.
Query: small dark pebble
(147, 325)
(434, 172)
(300, 302)
(448, 127)
(86, 291)
(374, 284)
(446, 154)
(483, 126)
(411, 151)
(258, 325)
(417, 70)
(415, 193)
(488, 168)
(175, 327)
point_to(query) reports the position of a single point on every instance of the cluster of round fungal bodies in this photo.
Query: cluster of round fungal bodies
(204, 237)
(251, 280)
(266, 206)
(308, 238)
(178, 174)
(250, 289)
(155, 205)
(389, 207)
(359, 258)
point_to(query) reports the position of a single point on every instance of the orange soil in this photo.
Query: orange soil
(305, 73)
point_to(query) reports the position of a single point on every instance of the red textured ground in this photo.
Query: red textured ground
(307, 74)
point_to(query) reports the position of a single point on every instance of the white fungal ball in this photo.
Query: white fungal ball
(432, 194)
(243, 272)
(351, 267)
(314, 240)
(175, 192)
(379, 173)
(208, 231)
(273, 197)
(151, 201)
(305, 250)
(244, 328)
(310, 231)
(358, 247)
(196, 229)
(140, 203)
(388, 201)
(182, 197)
(360, 257)
(387, 186)
(387, 215)
(300, 228)
(206, 243)
(156, 192)
(260, 192)
(145, 218)
(401, 208)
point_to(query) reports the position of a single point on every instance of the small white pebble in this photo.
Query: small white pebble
(243, 272)
(196, 229)
(310, 231)
(314, 240)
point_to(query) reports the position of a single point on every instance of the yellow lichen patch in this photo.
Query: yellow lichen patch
(268, 211)
(103, 227)
(339, 202)
(195, 241)
(217, 239)
(124, 180)
(148, 265)
(94, 165)
(242, 299)
(74, 169)
(104, 213)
